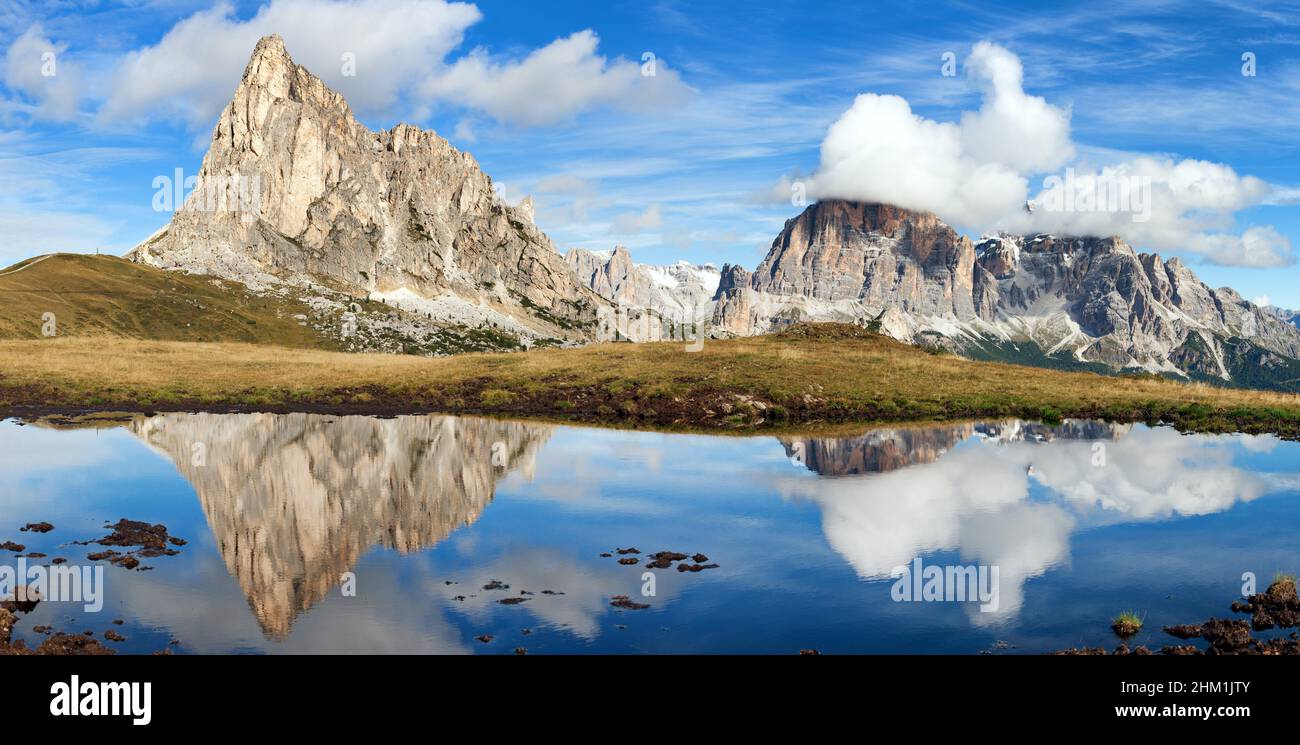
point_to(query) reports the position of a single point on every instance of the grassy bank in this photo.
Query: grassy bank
(810, 376)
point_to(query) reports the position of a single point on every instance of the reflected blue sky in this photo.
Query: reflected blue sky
(805, 532)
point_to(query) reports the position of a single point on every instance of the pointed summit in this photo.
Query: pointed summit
(270, 67)
(270, 45)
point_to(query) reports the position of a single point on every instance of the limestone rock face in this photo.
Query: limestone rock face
(682, 292)
(293, 188)
(1075, 299)
(874, 254)
(851, 262)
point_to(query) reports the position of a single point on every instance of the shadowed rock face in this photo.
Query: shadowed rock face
(878, 451)
(371, 212)
(295, 500)
(918, 280)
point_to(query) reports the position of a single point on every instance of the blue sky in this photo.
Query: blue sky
(690, 163)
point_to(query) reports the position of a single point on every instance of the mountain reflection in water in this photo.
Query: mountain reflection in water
(295, 499)
(807, 531)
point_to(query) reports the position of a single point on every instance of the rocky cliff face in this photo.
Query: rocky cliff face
(1029, 298)
(843, 261)
(295, 500)
(682, 292)
(294, 189)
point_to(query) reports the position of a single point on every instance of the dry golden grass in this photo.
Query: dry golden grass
(105, 296)
(823, 373)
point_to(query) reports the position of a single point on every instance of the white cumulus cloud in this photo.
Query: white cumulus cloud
(389, 58)
(551, 84)
(192, 71)
(1012, 128)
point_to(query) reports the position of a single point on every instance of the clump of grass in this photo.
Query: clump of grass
(1126, 624)
(1283, 589)
(495, 397)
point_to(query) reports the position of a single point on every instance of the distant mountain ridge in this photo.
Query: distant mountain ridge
(1289, 316)
(680, 292)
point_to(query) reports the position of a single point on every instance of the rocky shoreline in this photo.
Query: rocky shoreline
(144, 540)
(1275, 608)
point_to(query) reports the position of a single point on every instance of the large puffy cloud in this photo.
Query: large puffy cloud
(1012, 128)
(1161, 204)
(192, 71)
(552, 83)
(977, 172)
(388, 58)
(970, 173)
(879, 151)
(1260, 246)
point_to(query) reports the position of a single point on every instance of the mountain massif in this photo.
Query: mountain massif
(396, 241)
(1040, 299)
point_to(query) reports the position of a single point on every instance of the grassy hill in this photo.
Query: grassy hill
(810, 376)
(105, 296)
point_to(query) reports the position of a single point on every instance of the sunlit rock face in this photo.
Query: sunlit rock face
(846, 261)
(399, 213)
(295, 500)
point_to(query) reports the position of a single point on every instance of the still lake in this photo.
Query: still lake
(324, 534)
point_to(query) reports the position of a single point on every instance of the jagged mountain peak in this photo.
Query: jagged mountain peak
(307, 195)
(269, 52)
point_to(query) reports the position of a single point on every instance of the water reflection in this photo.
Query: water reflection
(294, 500)
(1014, 495)
(893, 448)
(807, 530)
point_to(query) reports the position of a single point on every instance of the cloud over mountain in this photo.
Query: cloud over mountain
(977, 172)
(389, 58)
